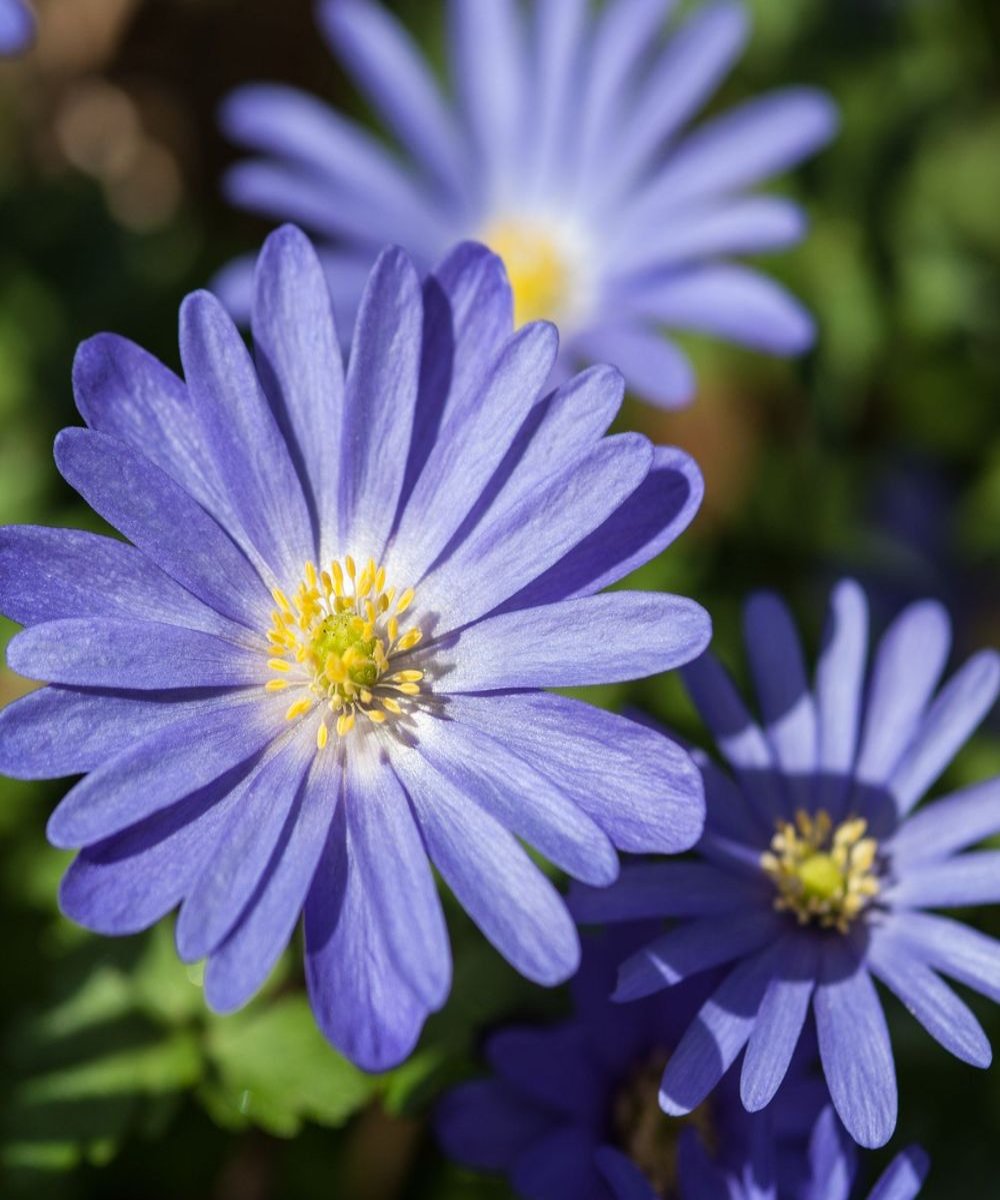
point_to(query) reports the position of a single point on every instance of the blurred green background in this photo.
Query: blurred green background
(879, 455)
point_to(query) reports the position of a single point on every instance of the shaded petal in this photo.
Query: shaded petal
(555, 40)
(728, 301)
(551, 1067)
(298, 358)
(154, 773)
(129, 881)
(692, 947)
(248, 452)
(840, 681)
(239, 967)
(719, 1032)
(513, 904)
(486, 1124)
(560, 1165)
(904, 1177)
(742, 148)
(512, 547)
(381, 394)
(524, 801)
(472, 444)
(653, 366)
(699, 1178)
(780, 1020)
(639, 786)
(665, 889)
(908, 665)
(17, 27)
(946, 726)
(50, 574)
(855, 1049)
(244, 852)
(362, 1002)
(389, 68)
(928, 998)
(543, 647)
(155, 513)
(952, 823)
(963, 954)
(625, 1178)
(62, 731)
(125, 392)
(130, 654)
(833, 1160)
(960, 882)
(656, 513)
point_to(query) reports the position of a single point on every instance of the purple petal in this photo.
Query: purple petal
(386, 64)
(654, 368)
(556, 41)
(904, 1177)
(575, 642)
(155, 513)
(17, 27)
(855, 1049)
(552, 1068)
(960, 882)
(487, 1125)
(952, 823)
(241, 435)
(639, 786)
(171, 763)
(840, 680)
(244, 852)
(514, 905)
(656, 513)
(908, 665)
(945, 1017)
(626, 1180)
(131, 655)
(963, 954)
(695, 946)
(362, 1002)
(833, 1160)
(560, 1165)
(665, 889)
(297, 354)
(780, 1020)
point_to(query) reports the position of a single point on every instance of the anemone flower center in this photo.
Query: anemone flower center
(538, 267)
(335, 642)
(823, 874)
(644, 1132)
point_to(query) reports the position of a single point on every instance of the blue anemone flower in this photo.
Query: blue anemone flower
(564, 148)
(572, 1109)
(17, 27)
(814, 870)
(320, 660)
(831, 1168)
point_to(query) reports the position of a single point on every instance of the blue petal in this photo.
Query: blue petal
(654, 368)
(560, 1165)
(840, 680)
(952, 823)
(376, 50)
(172, 762)
(625, 1178)
(297, 354)
(17, 27)
(556, 39)
(552, 1068)
(833, 1160)
(960, 882)
(131, 655)
(904, 1177)
(638, 786)
(248, 843)
(380, 398)
(362, 1002)
(854, 1048)
(575, 642)
(485, 1124)
(510, 900)
(247, 449)
(963, 954)
(163, 520)
(665, 889)
(239, 967)
(945, 1017)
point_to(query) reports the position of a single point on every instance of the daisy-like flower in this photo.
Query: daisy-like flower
(572, 1109)
(831, 1169)
(815, 871)
(317, 667)
(564, 147)
(17, 27)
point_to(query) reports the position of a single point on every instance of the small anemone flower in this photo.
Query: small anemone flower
(814, 872)
(564, 147)
(17, 27)
(571, 1109)
(317, 664)
(831, 1170)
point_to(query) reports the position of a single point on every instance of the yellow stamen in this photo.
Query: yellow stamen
(536, 267)
(298, 709)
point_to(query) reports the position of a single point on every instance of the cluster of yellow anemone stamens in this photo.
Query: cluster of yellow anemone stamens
(536, 268)
(336, 637)
(822, 874)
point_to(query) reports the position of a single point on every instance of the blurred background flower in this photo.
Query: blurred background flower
(878, 455)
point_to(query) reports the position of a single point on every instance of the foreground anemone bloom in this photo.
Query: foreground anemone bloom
(318, 666)
(815, 871)
(572, 1109)
(831, 1169)
(565, 149)
(17, 27)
